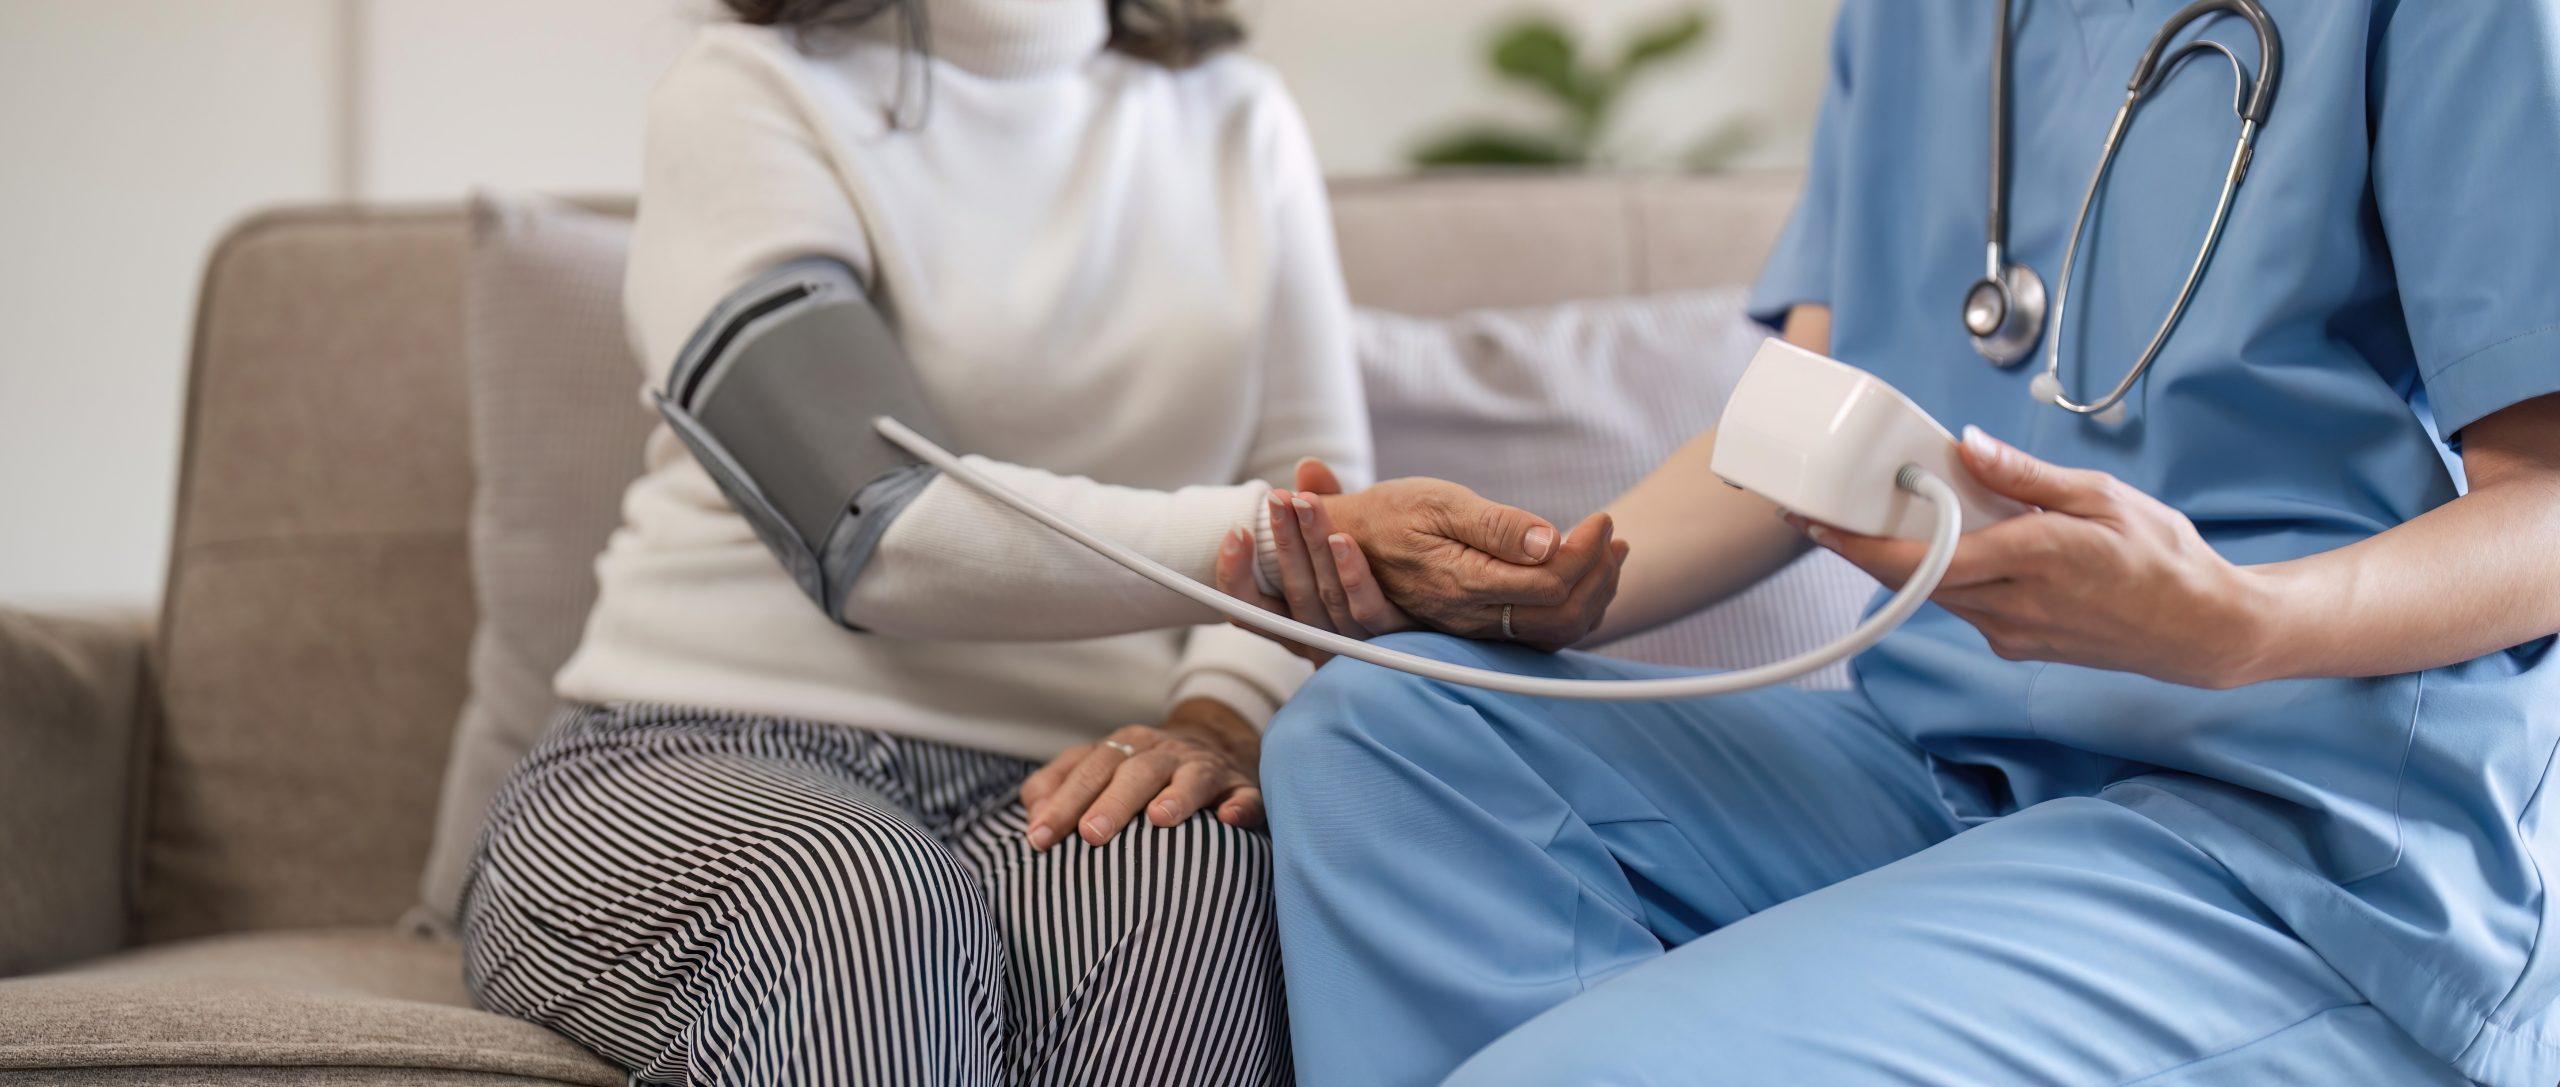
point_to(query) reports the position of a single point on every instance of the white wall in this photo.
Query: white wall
(547, 95)
(132, 131)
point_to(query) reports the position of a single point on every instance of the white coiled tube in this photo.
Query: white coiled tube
(1942, 549)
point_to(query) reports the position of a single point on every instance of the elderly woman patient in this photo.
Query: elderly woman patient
(1008, 832)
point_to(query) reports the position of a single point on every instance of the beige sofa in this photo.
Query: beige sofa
(209, 826)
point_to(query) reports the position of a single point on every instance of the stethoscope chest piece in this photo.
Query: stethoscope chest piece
(2006, 315)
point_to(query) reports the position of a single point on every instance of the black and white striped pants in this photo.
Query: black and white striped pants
(723, 899)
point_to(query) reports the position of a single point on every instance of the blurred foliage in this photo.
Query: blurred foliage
(1540, 53)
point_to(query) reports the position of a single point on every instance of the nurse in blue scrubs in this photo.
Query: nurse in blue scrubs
(2228, 767)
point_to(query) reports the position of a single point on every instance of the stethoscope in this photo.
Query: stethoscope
(2005, 309)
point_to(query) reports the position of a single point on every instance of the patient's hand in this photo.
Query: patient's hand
(1202, 758)
(1413, 552)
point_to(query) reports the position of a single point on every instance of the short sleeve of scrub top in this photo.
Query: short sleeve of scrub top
(1799, 268)
(2465, 164)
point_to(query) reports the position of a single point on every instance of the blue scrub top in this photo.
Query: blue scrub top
(2391, 272)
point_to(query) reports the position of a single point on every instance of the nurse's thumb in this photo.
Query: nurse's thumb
(2008, 470)
(1316, 477)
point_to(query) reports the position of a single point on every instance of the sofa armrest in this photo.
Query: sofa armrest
(74, 691)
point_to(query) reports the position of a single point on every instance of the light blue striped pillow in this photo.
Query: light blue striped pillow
(1557, 409)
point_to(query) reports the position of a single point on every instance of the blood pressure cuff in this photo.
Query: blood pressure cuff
(775, 395)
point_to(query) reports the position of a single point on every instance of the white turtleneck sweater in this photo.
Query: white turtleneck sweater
(1118, 286)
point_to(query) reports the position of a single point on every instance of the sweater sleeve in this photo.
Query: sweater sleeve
(738, 180)
(1312, 402)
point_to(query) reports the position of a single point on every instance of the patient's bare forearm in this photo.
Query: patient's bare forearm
(1695, 541)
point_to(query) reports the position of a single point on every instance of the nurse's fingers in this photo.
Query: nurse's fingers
(1984, 555)
(1315, 528)
(1297, 572)
(1235, 578)
(1235, 572)
(1369, 604)
(2010, 471)
(1317, 476)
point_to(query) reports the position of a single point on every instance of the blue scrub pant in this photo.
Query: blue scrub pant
(1760, 889)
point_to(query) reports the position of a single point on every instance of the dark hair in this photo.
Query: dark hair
(1173, 33)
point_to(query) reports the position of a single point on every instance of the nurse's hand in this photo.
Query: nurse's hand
(2103, 575)
(1202, 758)
(1426, 552)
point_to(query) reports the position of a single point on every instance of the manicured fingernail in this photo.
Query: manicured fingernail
(1306, 510)
(1538, 541)
(1041, 836)
(1097, 827)
(1341, 547)
(1982, 444)
(1817, 533)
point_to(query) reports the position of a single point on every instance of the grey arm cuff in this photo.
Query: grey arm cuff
(857, 537)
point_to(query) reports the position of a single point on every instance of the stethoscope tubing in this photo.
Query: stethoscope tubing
(2252, 100)
(1946, 528)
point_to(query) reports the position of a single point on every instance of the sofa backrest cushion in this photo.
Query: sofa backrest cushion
(320, 599)
(317, 609)
(557, 426)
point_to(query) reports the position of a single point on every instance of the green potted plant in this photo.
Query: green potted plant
(1539, 52)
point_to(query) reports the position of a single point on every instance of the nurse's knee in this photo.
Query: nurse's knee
(1355, 711)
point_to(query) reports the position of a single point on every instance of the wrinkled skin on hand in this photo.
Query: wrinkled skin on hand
(1427, 552)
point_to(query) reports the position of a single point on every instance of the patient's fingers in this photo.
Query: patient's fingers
(1565, 625)
(1243, 809)
(1490, 578)
(1314, 527)
(1137, 781)
(1083, 781)
(1297, 573)
(1195, 785)
(1044, 781)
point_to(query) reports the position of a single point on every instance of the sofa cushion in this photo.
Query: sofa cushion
(313, 1006)
(556, 430)
(1557, 409)
(317, 608)
(71, 702)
